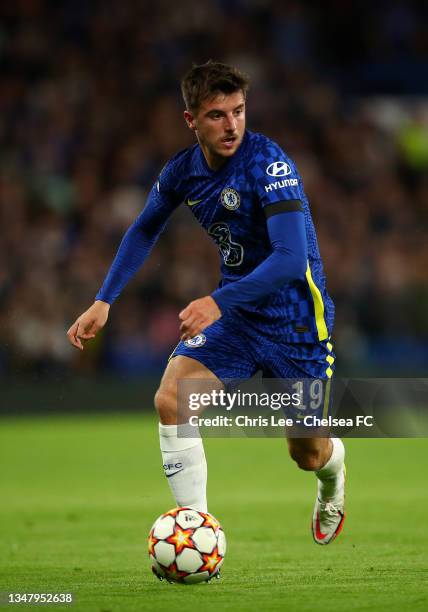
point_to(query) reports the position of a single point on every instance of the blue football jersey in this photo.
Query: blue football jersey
(229, 204)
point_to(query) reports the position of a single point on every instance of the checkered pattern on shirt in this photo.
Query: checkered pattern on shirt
(288, 312)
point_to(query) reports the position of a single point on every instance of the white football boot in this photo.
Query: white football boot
(329, 516)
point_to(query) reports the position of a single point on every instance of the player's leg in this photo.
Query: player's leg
(183, 457)
(310, 454)
(219, 353)
(325, 457)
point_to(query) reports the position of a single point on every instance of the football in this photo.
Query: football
(186, 546)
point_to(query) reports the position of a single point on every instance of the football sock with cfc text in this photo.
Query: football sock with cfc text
(184, 465)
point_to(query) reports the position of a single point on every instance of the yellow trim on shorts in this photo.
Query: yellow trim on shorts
(326, 400)
(330, 360)
(318, 306)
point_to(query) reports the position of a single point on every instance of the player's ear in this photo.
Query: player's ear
(190, 120)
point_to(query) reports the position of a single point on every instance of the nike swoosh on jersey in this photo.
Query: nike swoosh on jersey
(174, 473)
(193, 202)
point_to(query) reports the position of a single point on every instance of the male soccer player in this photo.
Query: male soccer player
(271, 311)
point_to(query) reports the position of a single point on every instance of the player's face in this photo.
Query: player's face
(219, 125)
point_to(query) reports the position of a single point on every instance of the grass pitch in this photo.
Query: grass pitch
(79, 494)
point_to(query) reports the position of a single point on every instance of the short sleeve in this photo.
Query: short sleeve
(275, 175)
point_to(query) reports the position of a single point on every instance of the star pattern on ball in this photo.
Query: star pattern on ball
(181, 538)
(210, 521)
(178, 545)
(174, 573)
(174, 512)
(210, 561)
(152, 541)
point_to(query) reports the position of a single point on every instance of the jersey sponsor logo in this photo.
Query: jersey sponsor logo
(280, 184)
(233, 252)
(278, 168)
(230, 198)
(196, 341)
(193, 202)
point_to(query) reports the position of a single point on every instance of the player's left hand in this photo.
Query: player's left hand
(197, 316)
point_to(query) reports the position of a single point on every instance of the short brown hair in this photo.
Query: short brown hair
(207, 80)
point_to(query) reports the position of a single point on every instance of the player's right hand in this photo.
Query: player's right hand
(88, 324)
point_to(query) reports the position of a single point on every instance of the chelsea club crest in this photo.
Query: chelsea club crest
(196, 341)
(230, 198)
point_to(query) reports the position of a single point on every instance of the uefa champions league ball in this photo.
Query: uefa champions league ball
(186, 546)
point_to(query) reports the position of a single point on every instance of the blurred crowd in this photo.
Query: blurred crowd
(90, 111)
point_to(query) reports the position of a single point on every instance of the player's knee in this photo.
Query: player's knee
(309, 460)
(166, 406)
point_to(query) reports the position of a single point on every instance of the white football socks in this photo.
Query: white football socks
(331, 476)
(185, 465)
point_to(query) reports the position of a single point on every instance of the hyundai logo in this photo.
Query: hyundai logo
(278, 168)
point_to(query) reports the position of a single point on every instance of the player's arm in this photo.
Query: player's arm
(133, 251)
(286, 263)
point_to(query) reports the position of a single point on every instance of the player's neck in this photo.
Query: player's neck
(214, 161)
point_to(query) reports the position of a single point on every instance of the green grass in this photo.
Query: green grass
(78, 496)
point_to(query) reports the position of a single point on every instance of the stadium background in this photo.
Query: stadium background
(91, 110)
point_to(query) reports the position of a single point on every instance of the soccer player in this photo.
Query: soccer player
(271, 311)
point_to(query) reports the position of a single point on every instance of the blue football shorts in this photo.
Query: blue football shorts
(234, 349)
